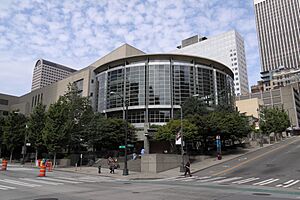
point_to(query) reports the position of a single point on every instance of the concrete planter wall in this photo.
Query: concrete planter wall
(154, 163)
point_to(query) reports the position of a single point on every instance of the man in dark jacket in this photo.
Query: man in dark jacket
(187, 168)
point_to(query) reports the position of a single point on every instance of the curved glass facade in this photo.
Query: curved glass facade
(155, 88)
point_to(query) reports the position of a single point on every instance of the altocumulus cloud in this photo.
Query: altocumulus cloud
(76, 33)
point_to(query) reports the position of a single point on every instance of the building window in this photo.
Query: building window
(3, 102)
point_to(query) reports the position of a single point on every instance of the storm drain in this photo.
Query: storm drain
(261, 194)
(46, 199)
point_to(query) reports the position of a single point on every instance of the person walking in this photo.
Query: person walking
(111, 164)
(187, 168)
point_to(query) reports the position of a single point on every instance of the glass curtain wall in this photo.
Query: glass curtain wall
(183, 83)
(205, 84)
(159, 85)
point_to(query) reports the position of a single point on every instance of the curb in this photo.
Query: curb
(240, 155)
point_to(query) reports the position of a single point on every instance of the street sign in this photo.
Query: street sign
(130, 145)
(122, 147)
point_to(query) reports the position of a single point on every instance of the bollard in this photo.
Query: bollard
(99, 169)
(42, 171)
(4, 165)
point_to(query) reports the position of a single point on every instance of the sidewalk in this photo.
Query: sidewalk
(195, 167)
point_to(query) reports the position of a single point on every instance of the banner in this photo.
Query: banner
(178, 139)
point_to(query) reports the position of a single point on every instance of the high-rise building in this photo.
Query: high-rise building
(278, 30)
(227, 48)
(46, 73)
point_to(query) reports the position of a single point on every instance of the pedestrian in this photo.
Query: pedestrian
(187, 168)
(111, 164)
(142, 151)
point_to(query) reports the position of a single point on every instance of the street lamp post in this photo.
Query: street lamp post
(181, 135)
(126, 103)
(24, 146)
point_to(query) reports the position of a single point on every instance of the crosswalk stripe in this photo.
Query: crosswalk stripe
(4, 187)
(210, 179)
(59, 180)
(288, 182)
(203, 177)
(227, 180)
(19, 183)
(40, 181)
(266, 182)
(293, 183)
(192, 178)
(245, 180)
(78, 179)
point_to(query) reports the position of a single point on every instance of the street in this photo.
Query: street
(269, 173)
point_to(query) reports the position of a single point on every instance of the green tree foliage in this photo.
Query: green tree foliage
(36, 124)
(2, 121)
(54, 133)
(168, 132)
(273, 120)
(14, 131)
(79, 114)
(112, 133)
(194, 106)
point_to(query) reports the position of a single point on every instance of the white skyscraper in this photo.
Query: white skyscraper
(227, 48)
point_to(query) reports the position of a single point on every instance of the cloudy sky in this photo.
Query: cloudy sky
(76, 33)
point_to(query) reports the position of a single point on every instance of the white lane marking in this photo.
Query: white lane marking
(204, 177)
(58, 180)
(20, 169)
(258, 183)
(19, 183)
(266, 182)
(192, 178)
(210, 179)
(83, 179)
(40, 181)
(227, 180)
(291, 184)
(4, 187)
(78, 179)
(246, 180)
(288, 182)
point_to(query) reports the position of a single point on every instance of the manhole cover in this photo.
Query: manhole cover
(127, 183)
(261, 194)
(270, 165)
(135, 192)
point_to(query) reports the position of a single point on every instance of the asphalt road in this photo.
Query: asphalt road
(275, 165)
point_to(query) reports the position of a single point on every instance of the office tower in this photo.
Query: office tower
(277, 24)
(227, 48)
(46, 73)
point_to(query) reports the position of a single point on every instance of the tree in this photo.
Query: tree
(112, 133)
(54, 133)
(2, 121)
(194, 106)
(36, 124)
(273, 120)
(79, 114)
(14, 131)
(168, 132)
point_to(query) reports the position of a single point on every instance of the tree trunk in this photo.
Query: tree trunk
(11, 155)
(0, 152)
(54, 160)
(36, 154)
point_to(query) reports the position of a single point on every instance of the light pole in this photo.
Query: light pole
(24, 146)
(126, 103)
(181, 135)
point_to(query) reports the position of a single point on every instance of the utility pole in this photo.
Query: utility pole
(182, 143)
(125, 170)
